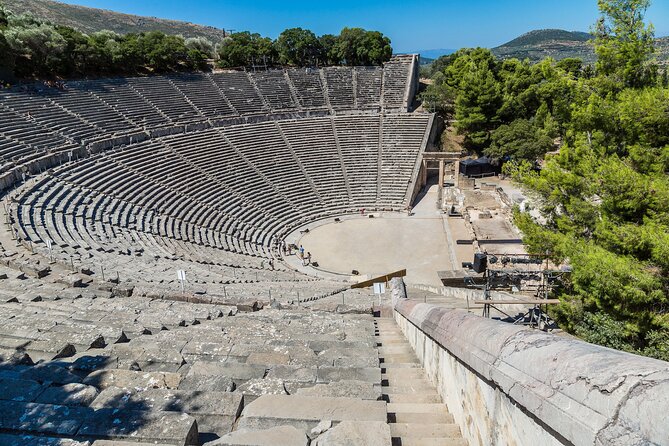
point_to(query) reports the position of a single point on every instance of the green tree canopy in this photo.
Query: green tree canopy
(521, 139)
(327, 55)
(244, 48)
(356, 46)
(299, 47)
(624, 43)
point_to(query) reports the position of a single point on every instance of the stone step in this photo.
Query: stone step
(332, 374)
(408, 382)
(417, 408)
(400, 373)
(424, 430)
(422, 418)
(395, 380)
(392, 340)
(396, 350)
(215, 412)
(412, 398)
(302, 412)
(409, 389)
(394, 358)
(429, 441)
(401, 365)
(146, 425)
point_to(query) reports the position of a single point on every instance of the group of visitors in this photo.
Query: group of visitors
(306, 258)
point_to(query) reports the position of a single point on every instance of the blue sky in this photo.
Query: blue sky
(411, 25)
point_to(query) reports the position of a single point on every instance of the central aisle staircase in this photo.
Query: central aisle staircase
(416, 414)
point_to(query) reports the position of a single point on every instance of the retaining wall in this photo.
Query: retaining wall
(508, 385)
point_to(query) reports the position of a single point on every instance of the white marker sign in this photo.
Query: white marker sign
(379, 288)
(181, 275)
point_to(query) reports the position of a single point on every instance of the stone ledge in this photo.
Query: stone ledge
(588, 394)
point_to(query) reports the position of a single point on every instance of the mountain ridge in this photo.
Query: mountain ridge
(561, 44)
(89, 20)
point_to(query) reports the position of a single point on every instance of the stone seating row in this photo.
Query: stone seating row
(185, 383)
(121, 105)
(232, 190)
(394, 90)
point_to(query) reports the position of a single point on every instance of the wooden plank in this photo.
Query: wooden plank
(379, 279)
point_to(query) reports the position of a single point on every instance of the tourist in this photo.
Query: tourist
(308, 258)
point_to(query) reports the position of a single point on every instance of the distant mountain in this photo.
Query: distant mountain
(542, 36)
(89, 20)
(560, 44)
(556, 43)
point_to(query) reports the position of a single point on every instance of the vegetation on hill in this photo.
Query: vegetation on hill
(560, 44)
(91, 20)
(34, 48)
(540, 36)
(592, 145)
(300, 47)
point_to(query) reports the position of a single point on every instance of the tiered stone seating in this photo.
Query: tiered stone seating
(273, 85)
(37, 108)
(398, 159)
(394, 85)
(81, 103)
(204, 174)
(21, 141)
(162, 94)
(165, 372)
(224, 193)
(340, 88)
(368, 86)
(322, 161)
(203, 94)
(308, 87)
(358, 139)
(239, 90)
(118, 94)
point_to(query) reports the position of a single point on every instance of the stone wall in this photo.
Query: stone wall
(508, 385)
(415, 186)
(412, 84)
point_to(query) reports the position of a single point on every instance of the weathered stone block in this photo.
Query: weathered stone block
(133, 379)
(356, 433)
(281, 435)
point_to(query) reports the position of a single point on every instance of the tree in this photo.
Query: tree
(202, 45)
(326, 53)
(4, 17)
(38, 47)
(521, 139)
(102, 52)
(6, 59)
(243, 49)
(356, 46)
(624, 43)
(571, 65)
(298, 47)
(76, 51)
(476, 106)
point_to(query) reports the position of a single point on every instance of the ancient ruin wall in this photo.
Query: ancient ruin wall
(507, 385)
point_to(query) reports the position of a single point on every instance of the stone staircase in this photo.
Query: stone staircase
(416, 414)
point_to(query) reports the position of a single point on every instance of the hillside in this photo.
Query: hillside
(92, 19)
(556, 43)
(561, 44)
